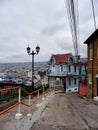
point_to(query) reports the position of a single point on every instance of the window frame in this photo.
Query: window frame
(97, 47)
(69, 81)
(89, 78)
(91, 51)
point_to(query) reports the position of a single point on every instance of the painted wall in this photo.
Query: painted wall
(72, 82)
(83, 89)
(58, 69)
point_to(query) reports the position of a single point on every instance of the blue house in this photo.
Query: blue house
(66, 71)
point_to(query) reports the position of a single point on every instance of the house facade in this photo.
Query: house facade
(58, 69)
(66, 70)
(76, 73)
(92, 64)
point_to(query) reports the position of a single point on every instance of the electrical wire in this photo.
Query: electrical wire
(93, 14)
(72, 11)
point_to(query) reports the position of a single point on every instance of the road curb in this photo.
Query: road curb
(91, 100)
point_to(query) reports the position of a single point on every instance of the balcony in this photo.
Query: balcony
(69, 74)
(57, 74)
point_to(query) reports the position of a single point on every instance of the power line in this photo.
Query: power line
(72, 11)
(93, 14)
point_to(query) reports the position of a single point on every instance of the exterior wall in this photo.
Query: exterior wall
(52, 81)
(57, 68)
(71, 84)
(93, 71)
(74, 75)
(75, 69)
(55, 74)
(71, 73)
(72, 79)
(83, 69)
(89, 71)
(95, 93)
(83, 90)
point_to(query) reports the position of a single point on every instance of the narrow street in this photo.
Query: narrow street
(68, 112)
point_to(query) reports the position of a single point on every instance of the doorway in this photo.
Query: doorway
(97, 86)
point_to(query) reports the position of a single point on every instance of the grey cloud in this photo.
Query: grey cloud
(65, 43)
(85, 11)
(24, 22)
(52, 29)
(61, 13)
(83, 50)
(17, 57)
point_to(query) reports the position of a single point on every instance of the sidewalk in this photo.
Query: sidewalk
(60, 111)
(68, 112)
(8, 121)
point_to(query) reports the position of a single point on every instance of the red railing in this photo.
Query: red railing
(19, 97)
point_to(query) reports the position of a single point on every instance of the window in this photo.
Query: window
(75, 81)
(53, 68)
(90, 79)
(69, 68)
(91, 51)
(74, 68)
(69, 81)
(97, 47)
(61, 68)
(80, 69)
(85, 68)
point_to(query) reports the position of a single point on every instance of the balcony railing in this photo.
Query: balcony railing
(57, 74)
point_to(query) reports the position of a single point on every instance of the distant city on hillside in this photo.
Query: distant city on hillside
(21, 72)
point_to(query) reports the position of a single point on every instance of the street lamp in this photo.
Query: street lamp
(33, 53)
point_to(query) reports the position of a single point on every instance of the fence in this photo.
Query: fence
(30, 103)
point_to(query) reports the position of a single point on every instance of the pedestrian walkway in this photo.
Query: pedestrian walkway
(68, 112)
(30, 115)
(59, 111)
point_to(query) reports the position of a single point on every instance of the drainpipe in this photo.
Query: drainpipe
(79, 77)
(92, 69)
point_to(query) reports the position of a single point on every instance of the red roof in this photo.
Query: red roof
(59, 58)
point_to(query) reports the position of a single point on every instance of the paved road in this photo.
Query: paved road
(68, 112)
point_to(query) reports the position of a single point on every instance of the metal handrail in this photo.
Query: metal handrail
(19, 101)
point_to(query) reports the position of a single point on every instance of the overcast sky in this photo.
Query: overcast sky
(42, 22)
